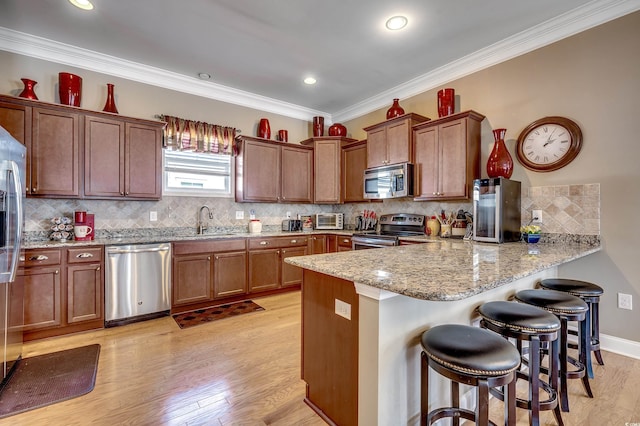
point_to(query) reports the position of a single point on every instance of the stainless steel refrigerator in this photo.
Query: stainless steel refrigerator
(12, 190)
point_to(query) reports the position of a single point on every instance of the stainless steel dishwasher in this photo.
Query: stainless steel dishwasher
(137, 282)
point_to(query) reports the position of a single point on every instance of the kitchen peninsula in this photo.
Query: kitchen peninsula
(363, 313)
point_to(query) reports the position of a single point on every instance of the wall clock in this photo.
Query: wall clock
(549, 143)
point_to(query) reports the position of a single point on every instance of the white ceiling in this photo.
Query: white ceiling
(259, 51)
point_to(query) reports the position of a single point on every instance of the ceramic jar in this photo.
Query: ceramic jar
(395, 110)
(318, 126)
(337, 129)
(433, 226)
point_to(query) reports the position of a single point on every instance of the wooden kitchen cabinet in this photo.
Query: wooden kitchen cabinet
(272, 172)
(344, 243)
(317, 244)
(208, 270)
(63, 291)
(447, 156)
(328, 168)
(354, 163)
(264, 269)
(267, 268)
(390, 142)
(16, 119)
(131, 148)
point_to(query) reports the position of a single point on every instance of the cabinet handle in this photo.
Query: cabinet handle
(294, 241)
(126, 193)
(208, 257)
(84, 255)
(284, 251)
(21, 258)
(346, 240)
(217, 257)
(264, 243)
(33, 190)
(98, 268)
(57, 272)
(39, 258)
(121, 193)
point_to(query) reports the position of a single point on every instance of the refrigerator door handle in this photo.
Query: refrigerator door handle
(14, 171)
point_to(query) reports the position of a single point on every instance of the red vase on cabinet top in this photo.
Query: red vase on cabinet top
(395, 110)
(29, 89)
(337, 129)
(264, 130)
(500, 163)
(110, 105)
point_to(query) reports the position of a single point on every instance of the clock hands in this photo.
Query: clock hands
(549, 140)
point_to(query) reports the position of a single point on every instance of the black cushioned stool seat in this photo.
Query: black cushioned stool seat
(527, 323)
(471, 356)
(590, 293)
(567, 308)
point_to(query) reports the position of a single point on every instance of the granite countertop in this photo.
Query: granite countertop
(443, 270)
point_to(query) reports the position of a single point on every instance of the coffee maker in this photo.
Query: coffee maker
(84, 219)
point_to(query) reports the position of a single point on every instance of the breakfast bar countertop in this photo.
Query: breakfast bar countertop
(443, 270)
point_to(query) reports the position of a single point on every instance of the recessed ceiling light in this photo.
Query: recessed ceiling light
(396, 22)
(82, 4)
(204, 76)
(310, 80)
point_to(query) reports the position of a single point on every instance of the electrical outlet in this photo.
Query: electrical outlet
(536, 216)
(288, 215)
(239, 214)
(252, 214)
(153, 216)
(625, 301)
(343, 309)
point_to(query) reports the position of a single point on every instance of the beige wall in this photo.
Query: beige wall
(594, 79)
(591, 77)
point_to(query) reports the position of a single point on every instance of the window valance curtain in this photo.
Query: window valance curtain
(187, 135)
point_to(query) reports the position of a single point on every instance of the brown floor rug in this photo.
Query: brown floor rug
(46, 379)
(202, 316)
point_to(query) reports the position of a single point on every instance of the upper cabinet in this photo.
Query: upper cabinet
(354, 163)
(390, 142)
(75, 153)
(273, 172)
(447, 156)
(328, 169)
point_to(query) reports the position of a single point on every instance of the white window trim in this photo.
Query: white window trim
(185, 155)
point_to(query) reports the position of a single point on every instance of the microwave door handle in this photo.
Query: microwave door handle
(14, 171)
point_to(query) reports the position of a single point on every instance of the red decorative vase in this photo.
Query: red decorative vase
(318, 126)
(500, 163)
(337, 129)
(110, 105)
(264, 130)
(69, 88)
(395, 109)
(28, 91)
(446, 102)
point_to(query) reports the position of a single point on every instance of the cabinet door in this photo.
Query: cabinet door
(55, 144)
(344, 243)
(192, 279)
(399, 142)
(84, 293)
(143, 161)
(296, 175)
(332, 243)
(230, 274)
(377, 147)
(453, 159)
(259, 172)
(16, 119)
(318, 244)
(427, 162)
(291, 275)
(326, 162)
(264, 270)
(41, 297)
(103, 157)
(354, 163)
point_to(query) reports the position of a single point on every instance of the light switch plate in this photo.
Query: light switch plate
(153, 216)
(239, 214)
(536, 216)
(343, 309)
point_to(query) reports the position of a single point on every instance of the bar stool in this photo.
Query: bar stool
(471, 356)
(567, 308)
(527, 323)
(590, 293)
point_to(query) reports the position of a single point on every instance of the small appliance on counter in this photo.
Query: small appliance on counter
(329, 221)
(292, 225)
(83, 221)
(496, 210)
(255, 226)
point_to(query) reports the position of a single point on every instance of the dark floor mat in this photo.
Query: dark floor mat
(46, 379)
(201, 316)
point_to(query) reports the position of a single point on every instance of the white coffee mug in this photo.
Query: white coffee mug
(81, 231)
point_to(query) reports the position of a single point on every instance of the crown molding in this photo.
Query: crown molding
(49, 50)
(573, 22)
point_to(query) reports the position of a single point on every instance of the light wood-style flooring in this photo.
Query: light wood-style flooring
(246, 371)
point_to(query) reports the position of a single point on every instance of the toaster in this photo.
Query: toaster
(292, 225)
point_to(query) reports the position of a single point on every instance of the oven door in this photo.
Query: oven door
(363, 242)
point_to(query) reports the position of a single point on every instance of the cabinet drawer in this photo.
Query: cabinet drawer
(41, 257)
(84, 254)
(277, 242)
(344, 241)
(208, 246)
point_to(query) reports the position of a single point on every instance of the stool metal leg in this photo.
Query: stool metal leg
(424, 385)
(564, 397)
(585, 352)
(553, 380)
(595, 331)
(534, 381)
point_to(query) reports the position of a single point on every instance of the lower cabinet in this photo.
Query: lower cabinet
(318, 244)
(229, 274)
(192, 278)
(267, 268)
(344, 243)
(63, 291)
(337, 243)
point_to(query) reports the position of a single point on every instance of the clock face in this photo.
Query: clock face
(549, 144)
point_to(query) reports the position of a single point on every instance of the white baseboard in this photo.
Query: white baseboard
(620, 346)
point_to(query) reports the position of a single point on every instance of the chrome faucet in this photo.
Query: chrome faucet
(201, 225)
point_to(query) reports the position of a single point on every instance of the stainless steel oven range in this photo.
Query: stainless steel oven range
(392, 226)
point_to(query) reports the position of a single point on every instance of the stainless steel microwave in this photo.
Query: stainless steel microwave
(392, 181)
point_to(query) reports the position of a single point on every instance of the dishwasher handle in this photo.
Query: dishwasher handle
(141, 250)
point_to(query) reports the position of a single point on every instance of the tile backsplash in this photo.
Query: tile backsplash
(567, 209)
